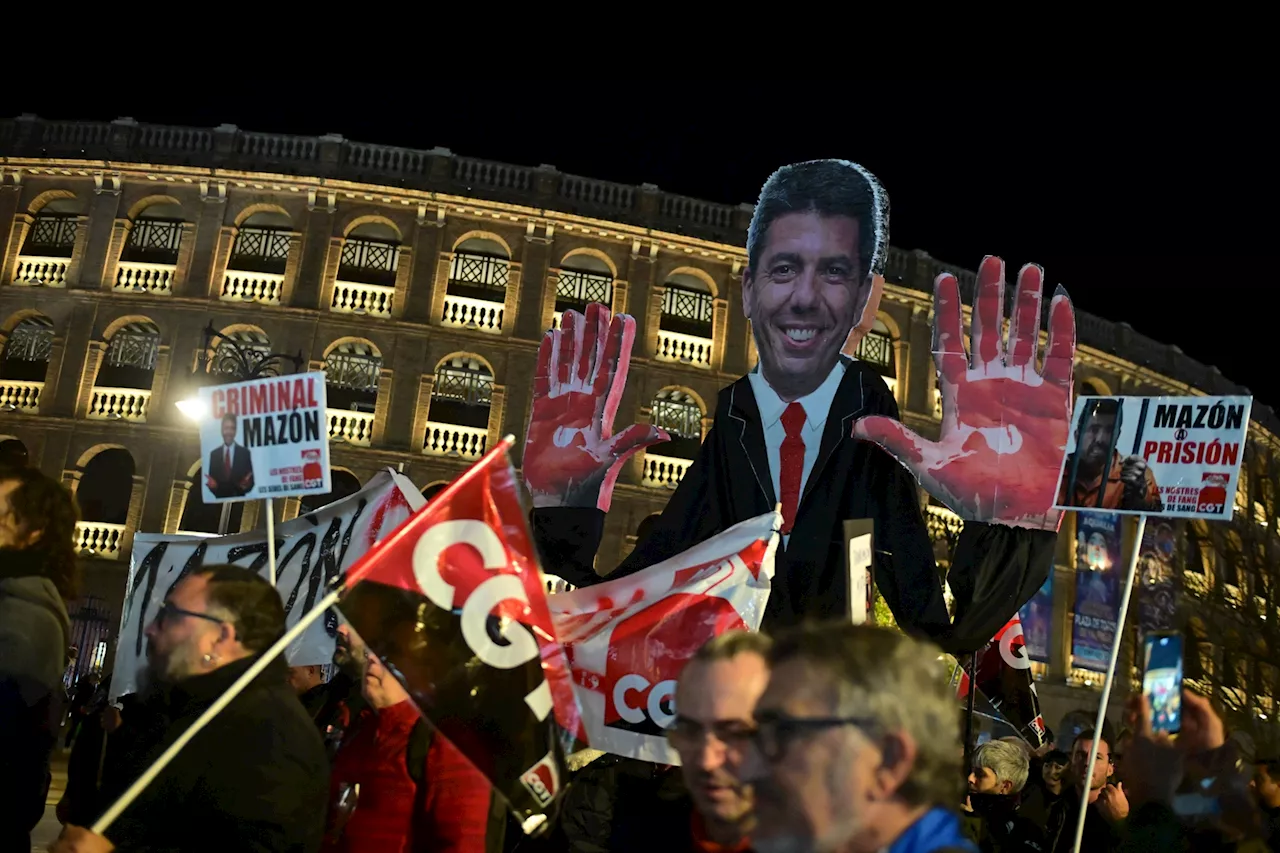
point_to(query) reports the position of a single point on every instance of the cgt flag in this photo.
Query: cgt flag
(453, 602)
(1004, 679)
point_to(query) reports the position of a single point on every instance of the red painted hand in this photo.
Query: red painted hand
(1004, 423)
(571, 456)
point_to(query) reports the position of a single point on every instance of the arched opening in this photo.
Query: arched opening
(583, 279)
(122, 388)
(477, 287)
(25, 364)
(201, 517)
(149, 260)
(351, 370)
(676, 411)
(876, 350)
(430, 490)
(262, 243)
(46, 251)
(458, 417)
(685, 326)
(345, 484)
(238, 353)
(103, 496)
(13, 454)
(371, 254)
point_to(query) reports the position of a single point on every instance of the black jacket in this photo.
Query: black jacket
(255, 779)
(994, 571)
(996, 826)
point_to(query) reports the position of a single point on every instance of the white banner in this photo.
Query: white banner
(265, 438)
(1173, 456)
(311, 551)
(628, 639)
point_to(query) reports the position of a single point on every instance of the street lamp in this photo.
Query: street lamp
(238, 363)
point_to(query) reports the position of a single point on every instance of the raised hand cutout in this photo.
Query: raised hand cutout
(1004, 422)
(571, 455)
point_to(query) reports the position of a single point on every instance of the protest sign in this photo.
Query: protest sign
(1037, 622)
(1098, 548)
(628, 639)
(455, 605)
(265, 438)
(1004, 679)
(314, 549)
(1172, 456)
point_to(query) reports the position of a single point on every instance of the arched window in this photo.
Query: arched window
(50, 243)
(681, 416)
(25, 363)
(430, 490)
(345, 484)
(225, 360)
(583, 279)
(477, 287)
(876, 350)
(149, 261)
(458, 419)
(262, 243)
(201, 517)
(685, 327)
(103, 495)
(351, 372)
(367, 271)
(122, 388)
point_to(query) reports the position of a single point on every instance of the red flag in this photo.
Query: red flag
(1004, 679)
(454, 603)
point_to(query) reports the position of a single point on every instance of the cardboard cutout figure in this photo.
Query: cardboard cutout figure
(784, 434)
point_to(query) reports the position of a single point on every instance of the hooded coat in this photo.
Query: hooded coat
(33, 646)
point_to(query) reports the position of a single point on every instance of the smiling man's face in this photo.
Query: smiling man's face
(804, 299)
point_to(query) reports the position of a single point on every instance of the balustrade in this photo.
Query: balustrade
(467, 313)
(350, 426)
(663, 472)
(99, 539)
(353, 297)
(145, 277)
(41, 271)
(129, 404)
(453, 440)
(17, 395)
(241, 286)
(685, 349)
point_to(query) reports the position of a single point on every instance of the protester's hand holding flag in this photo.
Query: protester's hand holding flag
(454, 604)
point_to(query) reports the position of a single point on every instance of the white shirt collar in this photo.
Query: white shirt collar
(817, 404)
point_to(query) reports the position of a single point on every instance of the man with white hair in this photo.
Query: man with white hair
(855, 746)
(1000, 770)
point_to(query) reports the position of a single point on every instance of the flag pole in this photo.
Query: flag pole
(1110, 679)
(271, 540)
(126, 799)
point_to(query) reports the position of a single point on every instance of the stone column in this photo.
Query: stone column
(315, 256)
(535, 263)
(497, 407)
(422, 411)
(196, 273)
(427, 243)
(291, 266)
(77, 251)
(639, 299)
(102, 242)
(719, 331)
(511, 306)
(221, 257)
(381, 407)
(120, 230)
(10, 195)
(404, 272)
(20, 225)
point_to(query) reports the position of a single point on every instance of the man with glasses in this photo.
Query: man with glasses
(855, 745)
(255, 778)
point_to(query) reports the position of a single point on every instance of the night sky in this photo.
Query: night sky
(1149, 201)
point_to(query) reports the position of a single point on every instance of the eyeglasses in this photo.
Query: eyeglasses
(169, 611)
(775, 732)
(687, 734)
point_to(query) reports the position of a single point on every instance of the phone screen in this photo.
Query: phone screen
(1162, 681)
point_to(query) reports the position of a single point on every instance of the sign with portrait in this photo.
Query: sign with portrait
(1172, 456)
(1098, 554)
(264, 438)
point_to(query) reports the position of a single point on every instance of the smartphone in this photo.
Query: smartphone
(1162, 680)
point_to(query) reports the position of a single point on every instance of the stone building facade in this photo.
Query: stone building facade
(421, 282)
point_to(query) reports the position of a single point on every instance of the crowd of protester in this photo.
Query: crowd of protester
(823, 738)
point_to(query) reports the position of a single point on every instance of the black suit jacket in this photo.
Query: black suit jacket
(227, 483)
(994, 571)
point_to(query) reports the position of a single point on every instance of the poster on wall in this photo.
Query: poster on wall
(1158, 589)
(1173, 456)
(264, 438)
(1097, 589)
(1037, 622)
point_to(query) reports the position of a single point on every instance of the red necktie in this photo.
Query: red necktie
(792, 453)
(227, 461)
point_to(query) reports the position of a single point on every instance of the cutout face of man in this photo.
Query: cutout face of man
(229, 431)
(804, 298)
(1094, 440)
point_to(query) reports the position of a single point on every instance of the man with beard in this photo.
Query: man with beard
(397, 786)
(254, 778)
(1129, 482)
(1107, 806)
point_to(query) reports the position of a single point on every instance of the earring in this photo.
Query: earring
(210, 659)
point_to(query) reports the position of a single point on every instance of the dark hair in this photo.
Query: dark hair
(1057, 756)
(42, 503)
(1102, 407)
(1091, 734)
(253, 605)
(827, 188)
(229, 417)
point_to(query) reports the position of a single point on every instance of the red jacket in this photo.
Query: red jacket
(450, 815)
